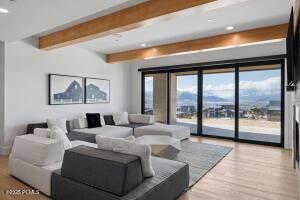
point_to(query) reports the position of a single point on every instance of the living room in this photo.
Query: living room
(209, 87)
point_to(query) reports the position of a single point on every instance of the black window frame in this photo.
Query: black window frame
(237, 64)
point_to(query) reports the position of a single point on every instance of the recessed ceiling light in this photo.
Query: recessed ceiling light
(3, 10)
(229, 28)
(143, 45)
(211, 20)
(116, 35)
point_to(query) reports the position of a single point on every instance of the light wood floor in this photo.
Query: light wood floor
(249, 172)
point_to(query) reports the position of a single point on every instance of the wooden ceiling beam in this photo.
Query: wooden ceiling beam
(220, 41)
(151, 11)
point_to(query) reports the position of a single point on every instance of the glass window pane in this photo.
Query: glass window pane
(260, 103)
(183, 100)
(218, 114)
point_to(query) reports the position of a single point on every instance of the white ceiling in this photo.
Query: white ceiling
(31, 17)
(37, 17)
(243, 14)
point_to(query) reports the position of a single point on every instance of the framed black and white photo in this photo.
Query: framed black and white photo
(65, 89)
(97, 90)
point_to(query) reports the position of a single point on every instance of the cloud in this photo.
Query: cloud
(193, 89)
(263, 87)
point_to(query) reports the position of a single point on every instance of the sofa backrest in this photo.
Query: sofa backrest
(113, 172)
(31, 127)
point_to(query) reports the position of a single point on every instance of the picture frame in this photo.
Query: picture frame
(65, 89)
(97, 90)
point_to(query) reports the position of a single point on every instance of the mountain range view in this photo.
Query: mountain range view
(246, 97)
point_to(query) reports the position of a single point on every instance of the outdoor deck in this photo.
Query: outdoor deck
(263, 134)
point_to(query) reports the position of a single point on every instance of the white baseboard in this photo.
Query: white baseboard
(4, 150)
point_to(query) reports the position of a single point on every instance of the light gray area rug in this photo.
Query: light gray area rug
(201, 157)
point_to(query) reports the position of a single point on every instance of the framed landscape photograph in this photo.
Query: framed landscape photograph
(65, 89)
(97, 90)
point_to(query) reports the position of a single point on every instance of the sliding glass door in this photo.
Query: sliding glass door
(184, 99)
(241, 101)
(218, 110)
(260, 103)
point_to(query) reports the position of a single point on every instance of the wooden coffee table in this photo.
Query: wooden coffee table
(159, 142)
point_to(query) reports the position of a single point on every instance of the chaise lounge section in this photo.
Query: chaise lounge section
(178, 132)
(121, 177)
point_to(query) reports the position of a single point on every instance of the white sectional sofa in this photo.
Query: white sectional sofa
(33, 159)
(111, 129)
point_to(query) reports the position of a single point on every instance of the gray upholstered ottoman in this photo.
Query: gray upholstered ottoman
(170, 181)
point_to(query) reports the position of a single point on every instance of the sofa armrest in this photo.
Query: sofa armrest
(36, 150)
(141, 119)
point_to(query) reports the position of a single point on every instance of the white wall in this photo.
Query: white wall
(267, 49)
(27, 70)
(2, 68)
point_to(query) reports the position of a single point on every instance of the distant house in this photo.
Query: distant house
(219, 111)
(274, 111)
(186, 110)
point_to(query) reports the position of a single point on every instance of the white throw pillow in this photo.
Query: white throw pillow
(58, 134)
(80, 123)
(61, 123)
(102, 120)
(121, 118)
(42, 132)
(107, 143)
(127, 147)
(140, 118)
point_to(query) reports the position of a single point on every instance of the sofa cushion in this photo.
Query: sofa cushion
(178, 132)
(60, 136)
(36, 150)
(106, 170)
(102, 120)
(61, 123)
(93, 120)
(109, 120)
(77, 143)
(80, 123)
(128, 147)
(121, 118)
(141, 119)
(42, 132)
(108, 131)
